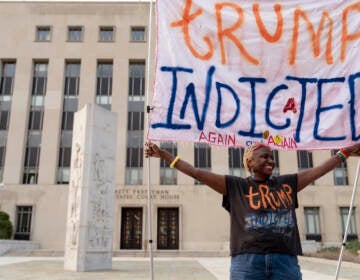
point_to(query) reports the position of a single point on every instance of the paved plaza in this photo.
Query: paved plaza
(176, 268)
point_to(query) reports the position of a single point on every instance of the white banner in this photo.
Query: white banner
(286, 73)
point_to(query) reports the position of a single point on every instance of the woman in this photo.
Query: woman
(264, 237)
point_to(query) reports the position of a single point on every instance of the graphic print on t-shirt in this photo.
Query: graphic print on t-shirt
(276, 205)
(278, 221)
(265, 197)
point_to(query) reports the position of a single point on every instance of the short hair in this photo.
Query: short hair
(249, 150)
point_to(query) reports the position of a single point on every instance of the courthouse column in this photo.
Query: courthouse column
(15, 147)
(51, 125)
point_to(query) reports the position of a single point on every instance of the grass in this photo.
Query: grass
(350, 253)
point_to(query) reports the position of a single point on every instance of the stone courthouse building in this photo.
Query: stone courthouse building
(55, 57)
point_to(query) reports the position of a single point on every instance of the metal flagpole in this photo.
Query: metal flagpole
(150, 224)
(348, 221)
(148, 161)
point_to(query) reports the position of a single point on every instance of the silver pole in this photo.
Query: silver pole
(150, 242)
(348, 221)
(150, 224)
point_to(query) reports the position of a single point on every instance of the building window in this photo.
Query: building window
(104, 84)
(7, 80)
(4, 119)
(6, 92)
(72, 79)
(344, 213)
(135, 121)
(67, 120)
(23, 223)
(135, 134)
(39, 80)
(65, 156)
(75, 33)
(134, 151)
(31, 165)
(202, 157)
(32, 151)
(32, 156)
(64, 165)
(106, 34)
(304, 159)
(340, 173)
(136, 80)
(236, 166)
(70, 105)
(138, 34)
(276, 170)
(134, 163)
(43, 33)
(2, 161)
(168, 176)
(36, 120)
(312, 223)
(131, 228)
(168, 229)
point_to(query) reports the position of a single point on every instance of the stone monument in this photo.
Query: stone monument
(89, 231)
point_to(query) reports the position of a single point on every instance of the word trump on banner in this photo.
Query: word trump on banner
(233, 72)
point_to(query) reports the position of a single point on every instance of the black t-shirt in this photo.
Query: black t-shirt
(262, 215)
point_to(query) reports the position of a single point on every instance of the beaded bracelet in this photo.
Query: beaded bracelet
(343, 155)
(172, 165)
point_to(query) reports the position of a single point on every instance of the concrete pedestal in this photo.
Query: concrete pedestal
(90, 216)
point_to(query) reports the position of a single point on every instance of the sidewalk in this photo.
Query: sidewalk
(51, 268)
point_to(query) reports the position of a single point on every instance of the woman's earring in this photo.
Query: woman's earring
(252, 174)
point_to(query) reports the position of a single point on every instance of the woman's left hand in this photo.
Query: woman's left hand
(353, 150)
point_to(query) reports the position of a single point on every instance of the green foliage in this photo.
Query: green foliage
(330, 249)
(5, 226)
(353, 246)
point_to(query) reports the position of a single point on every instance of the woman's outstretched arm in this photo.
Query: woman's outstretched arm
(214, 181)
(310, 175)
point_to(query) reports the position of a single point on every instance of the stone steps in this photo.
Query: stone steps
(123, 253)
(170, 253)
(35, 253)
(8, 246)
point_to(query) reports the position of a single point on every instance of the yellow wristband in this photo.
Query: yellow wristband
(172, 165)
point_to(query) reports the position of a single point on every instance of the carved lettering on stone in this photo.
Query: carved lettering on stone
(74, 189)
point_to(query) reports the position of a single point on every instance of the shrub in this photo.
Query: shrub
(330, 249)
(5, 226)
(353, 246)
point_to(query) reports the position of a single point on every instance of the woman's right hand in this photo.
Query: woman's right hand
(152, 150)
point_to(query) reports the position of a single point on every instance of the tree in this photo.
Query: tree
(5, 226)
